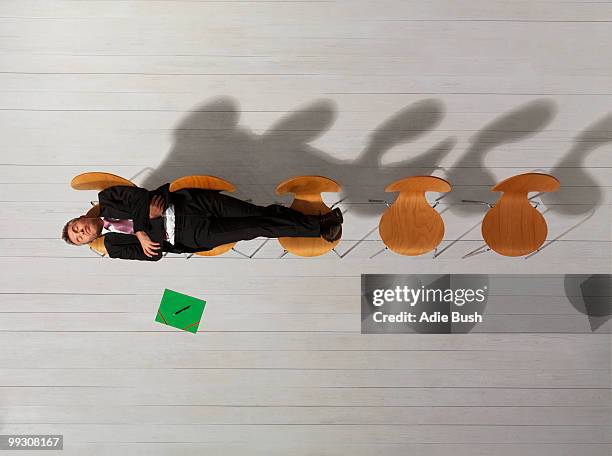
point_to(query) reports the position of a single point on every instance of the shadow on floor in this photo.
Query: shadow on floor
(210, 140)
(511, 127)
(591, 296)
(590, 193)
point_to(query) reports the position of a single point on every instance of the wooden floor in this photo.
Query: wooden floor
(364, 92)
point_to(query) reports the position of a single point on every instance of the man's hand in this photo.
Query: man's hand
(148, 246)
(156, 208)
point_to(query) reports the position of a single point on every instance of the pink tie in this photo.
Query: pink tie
(123, 226)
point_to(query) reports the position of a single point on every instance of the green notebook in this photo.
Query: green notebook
(180, 311)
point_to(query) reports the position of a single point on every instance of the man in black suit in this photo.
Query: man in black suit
(141, 224)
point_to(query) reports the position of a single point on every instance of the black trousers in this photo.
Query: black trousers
(207, 218)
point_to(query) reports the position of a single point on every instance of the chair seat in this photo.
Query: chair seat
(513, 227)
(98, 181)
(307, 200)
(203, 182)
(411, 226)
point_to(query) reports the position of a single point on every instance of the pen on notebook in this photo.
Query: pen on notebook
(179, 311)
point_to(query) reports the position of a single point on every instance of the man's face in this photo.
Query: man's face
(83, 230)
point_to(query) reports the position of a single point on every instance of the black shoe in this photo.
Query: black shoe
(331, 218)
(331, 233)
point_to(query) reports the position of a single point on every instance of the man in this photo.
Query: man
(138, 224)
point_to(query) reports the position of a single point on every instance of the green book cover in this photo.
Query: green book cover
(180, 311)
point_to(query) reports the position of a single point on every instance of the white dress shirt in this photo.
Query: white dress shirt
(169, 219)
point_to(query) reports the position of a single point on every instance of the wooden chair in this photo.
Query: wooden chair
(307, 191)
(207, 183)
(410, 226)
(513, 227)
(97, 181)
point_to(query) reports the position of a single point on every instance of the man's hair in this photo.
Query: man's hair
(65, 231)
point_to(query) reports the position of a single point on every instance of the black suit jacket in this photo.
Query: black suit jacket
(127, 202)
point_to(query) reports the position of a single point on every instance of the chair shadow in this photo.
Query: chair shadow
(513, 126)
(210, 140)
(589, 139)
(367, 177)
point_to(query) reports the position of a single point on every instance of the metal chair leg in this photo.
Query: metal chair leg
(573, 227)
(478, 202)
(534, 253)
(252, 255)
(380, 251)
(358, 242)
(438, 199)
(238, 251)
(537, 203)
(351, 248)
(477, 251)
(338, 202)
(380, 201)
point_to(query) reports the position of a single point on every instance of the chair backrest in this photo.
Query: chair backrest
(513, 227)
(528, 182)
(98, 181)
(308, 188)
(410, 226)
(307, 200)
(419, 184)
(203, 182)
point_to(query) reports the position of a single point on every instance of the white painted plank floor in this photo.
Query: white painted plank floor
(364, 92)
